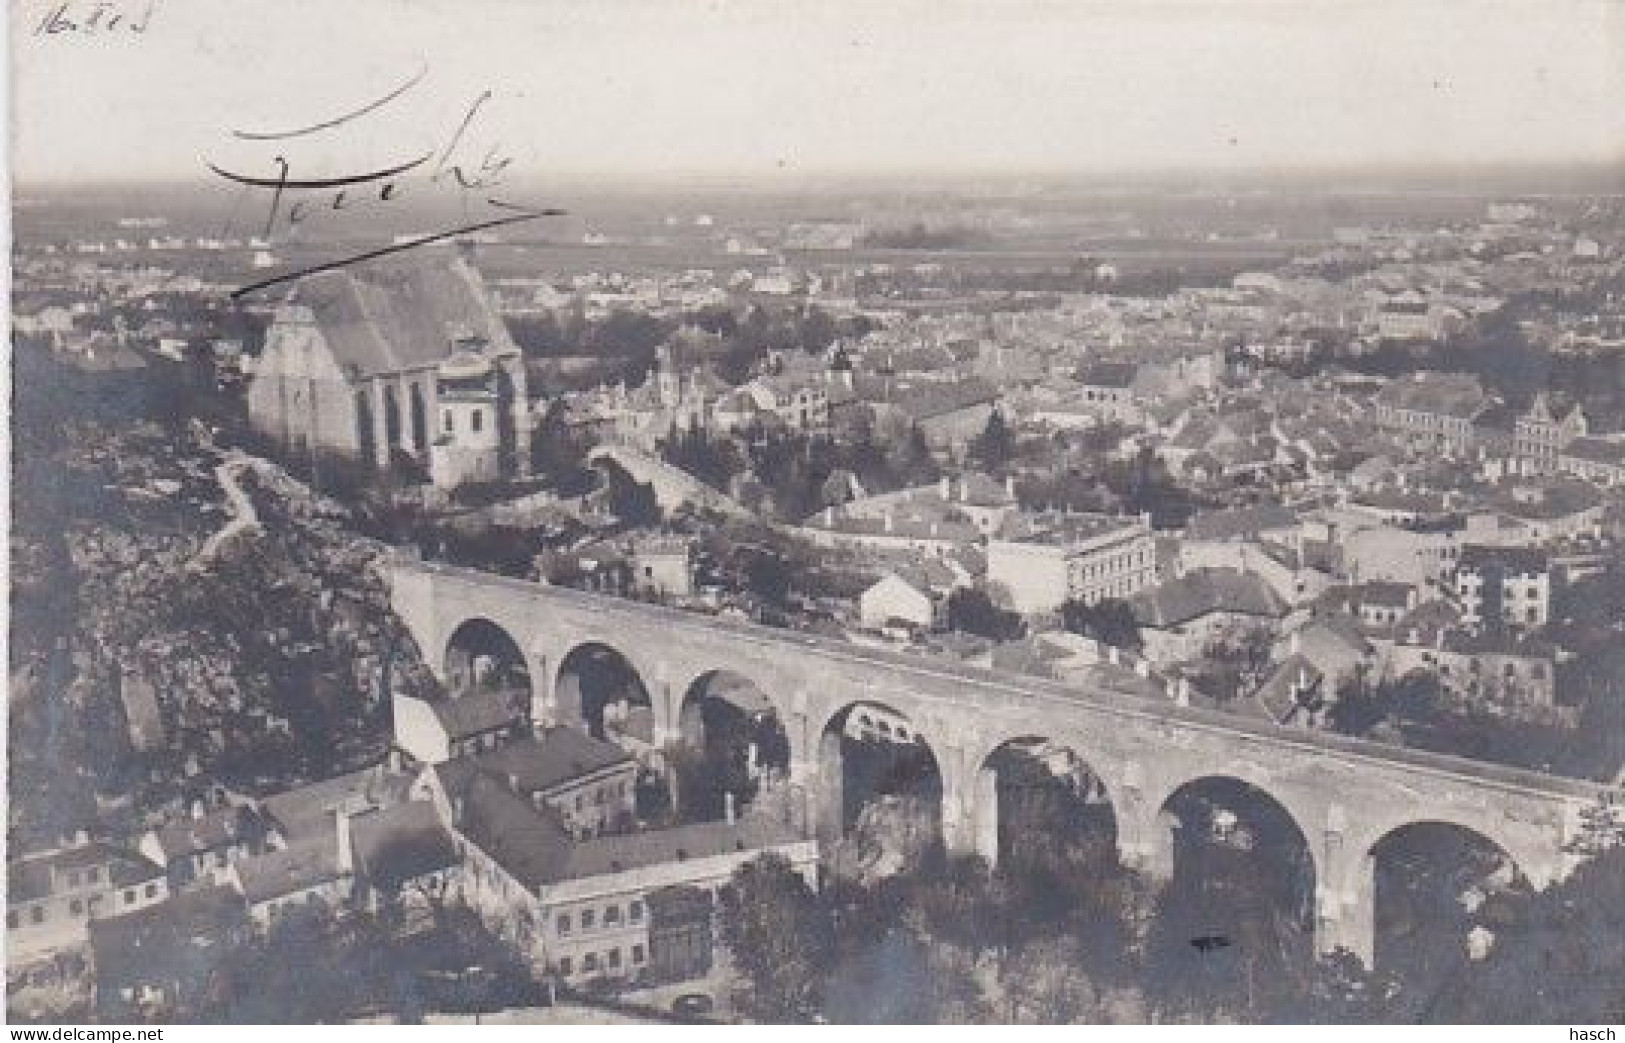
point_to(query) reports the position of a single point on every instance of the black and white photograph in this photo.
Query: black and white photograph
(658, 513)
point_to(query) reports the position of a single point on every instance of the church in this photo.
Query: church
(396, 361)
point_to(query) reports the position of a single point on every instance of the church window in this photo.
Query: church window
(477, 420)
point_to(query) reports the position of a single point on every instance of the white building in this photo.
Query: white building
(1041, 562)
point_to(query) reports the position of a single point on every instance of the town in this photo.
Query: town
(1329, 479)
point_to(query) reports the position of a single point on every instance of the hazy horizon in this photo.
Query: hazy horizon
(768, 90)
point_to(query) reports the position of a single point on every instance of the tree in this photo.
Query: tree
(780, 937)
(1044, 985)
(1108, 620)
(632, 501)
(996, 445)
(970, 610)
(1561, 958)
(559, 454)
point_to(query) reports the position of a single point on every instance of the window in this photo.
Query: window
(566, 966)
(634, 911)
(221, 858)
(614, 959)
(12, 920)
(637, 955)
(588, 918)
(76, 907)
(476, 420)
(612, 916)
(129, 896)
(564, 926)
(91, 874)
(37, 914)
(73, 878)
(450, 426)
(152, 890)
(589, 962)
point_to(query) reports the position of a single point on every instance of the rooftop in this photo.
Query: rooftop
(1202, 591)
(1058, 529)
(402, 313)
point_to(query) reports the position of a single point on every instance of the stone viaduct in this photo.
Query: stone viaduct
(1344, 795)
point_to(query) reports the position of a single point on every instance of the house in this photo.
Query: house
(948, 414)
(432, 731)
(1408, 316)
(1335, 646)
(1042, 561)
(1598, 460)
(343, 843)
(1183, 616)
(1503, 586)
(1264, 523)
(396, 357)
(1382, 603)
(663, 565)
(1107, 392)
(1540, 436)
(52, 896)
(1432, 410)
(913, 594)
(160, 963)
(798, 401)
(579, 908)
(1511, 674)
(1374, 551)
(589, 784)
(201, 848)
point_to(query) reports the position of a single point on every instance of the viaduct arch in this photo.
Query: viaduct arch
(1344, 795)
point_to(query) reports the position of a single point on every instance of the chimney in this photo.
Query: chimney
(1010, 486)
(728, 807)
(1294, 643)
(829, 516)
(888, 521)
(197, 810)
(964, 489)
(945, 487)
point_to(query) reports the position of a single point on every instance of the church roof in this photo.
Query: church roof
(401, 314)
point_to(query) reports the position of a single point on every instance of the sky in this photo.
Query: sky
(764, 87)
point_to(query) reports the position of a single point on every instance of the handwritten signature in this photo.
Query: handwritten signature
(459, 165)
(103, 18)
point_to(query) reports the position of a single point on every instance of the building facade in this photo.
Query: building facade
(385, 363)
(1044, 561)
